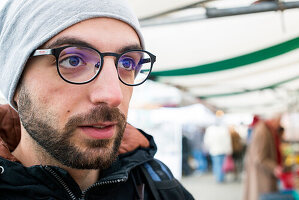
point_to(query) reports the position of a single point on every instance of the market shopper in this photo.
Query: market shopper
(237, 148)
(198, 150)
(68, 68)
(217, 141)
(263, 160)
(193, 147)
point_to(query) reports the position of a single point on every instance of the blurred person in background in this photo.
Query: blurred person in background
(186, 156)
(198, 150)
(263, 159)
(217, 141)
(195, 135)
(237, 154)
(251, 126)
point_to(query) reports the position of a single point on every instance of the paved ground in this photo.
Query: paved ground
(204, 187)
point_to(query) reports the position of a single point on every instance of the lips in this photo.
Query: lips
(99, 131)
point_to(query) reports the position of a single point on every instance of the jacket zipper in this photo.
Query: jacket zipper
(71, 194)
(64, 185)
(100, 184)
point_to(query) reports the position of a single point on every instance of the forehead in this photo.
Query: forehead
(105, 34)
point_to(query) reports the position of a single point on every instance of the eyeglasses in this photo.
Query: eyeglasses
(80, 65)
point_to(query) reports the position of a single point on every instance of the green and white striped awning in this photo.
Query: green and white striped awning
(241, 63)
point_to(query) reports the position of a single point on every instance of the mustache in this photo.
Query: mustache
(101, 113)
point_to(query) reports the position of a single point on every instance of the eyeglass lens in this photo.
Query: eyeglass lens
(81, 64)
(134, 67)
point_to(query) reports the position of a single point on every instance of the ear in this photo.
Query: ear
(16, 96)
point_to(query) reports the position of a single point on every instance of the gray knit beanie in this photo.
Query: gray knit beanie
(27, 24)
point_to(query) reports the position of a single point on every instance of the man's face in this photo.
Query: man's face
(81, 126)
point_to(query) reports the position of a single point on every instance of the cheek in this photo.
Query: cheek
(47, 96)
(42, 84)
(49, 92)
(127, 94)
(54, 99)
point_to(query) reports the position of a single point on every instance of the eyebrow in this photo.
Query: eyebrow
(76, 41)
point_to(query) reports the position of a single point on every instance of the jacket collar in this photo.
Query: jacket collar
(19, 176)
(127, 161)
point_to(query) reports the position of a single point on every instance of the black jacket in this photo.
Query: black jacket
(123, 180)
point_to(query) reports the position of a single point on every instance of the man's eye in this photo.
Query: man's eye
(127, 63)
(71, 62)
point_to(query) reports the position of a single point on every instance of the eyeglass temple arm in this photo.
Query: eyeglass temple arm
(40, 52)
(145, 60)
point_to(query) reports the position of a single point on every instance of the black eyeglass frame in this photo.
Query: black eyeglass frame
(56, 52)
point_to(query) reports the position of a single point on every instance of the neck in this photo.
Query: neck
(84, 177)
(29, 153)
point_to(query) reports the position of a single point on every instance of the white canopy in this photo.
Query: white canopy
(243, 63)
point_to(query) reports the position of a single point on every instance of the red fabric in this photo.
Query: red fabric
(287, 179)
(228, 164)
(255, 120)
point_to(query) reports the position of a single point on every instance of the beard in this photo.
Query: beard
(41, 125)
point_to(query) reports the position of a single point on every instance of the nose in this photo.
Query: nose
(106, 87)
